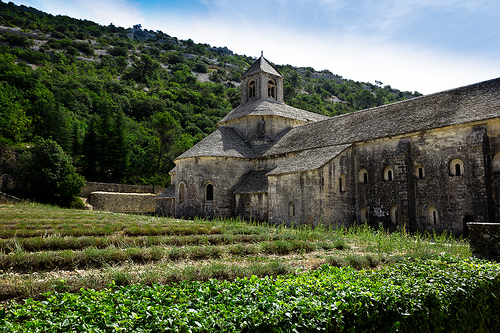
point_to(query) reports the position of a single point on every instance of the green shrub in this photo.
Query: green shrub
(444, 294)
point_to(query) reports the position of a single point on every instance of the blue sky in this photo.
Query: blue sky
(422, 45)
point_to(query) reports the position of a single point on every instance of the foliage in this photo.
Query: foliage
(49, 173)
(40, 244)
(100, 94)
(424, 296)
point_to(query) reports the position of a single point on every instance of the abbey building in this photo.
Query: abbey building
(429, 163)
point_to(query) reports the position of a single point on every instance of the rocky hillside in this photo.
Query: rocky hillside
(124, 102)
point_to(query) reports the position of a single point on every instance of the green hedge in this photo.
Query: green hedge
(444, 294)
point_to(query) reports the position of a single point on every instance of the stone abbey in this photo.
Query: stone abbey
(429, 163)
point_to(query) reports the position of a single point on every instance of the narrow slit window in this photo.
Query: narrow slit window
(251, 89)
(342, 183)
(456, 167)
(363, 176)
(420, 173)
(271, 88)
(388, 174)
(209, 193)
(432, 216)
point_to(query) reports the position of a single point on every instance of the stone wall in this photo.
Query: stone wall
(139, 203)
(6, 199)
(118, 188)
(165, 206)
(252, 206)
(484, 240)
(224, 174)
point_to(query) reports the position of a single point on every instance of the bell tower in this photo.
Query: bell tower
(261, 81)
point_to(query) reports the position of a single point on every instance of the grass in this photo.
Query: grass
(45, 248)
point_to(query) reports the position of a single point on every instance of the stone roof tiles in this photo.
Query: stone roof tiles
(308, 160)
(168, 193)
(224, 142)
(255, 182)
(472, 103)
(261, 65)
(267, 107)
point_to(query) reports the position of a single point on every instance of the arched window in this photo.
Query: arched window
(271, 88)
(432, 216)
(209, 192)
(342, 183)
(291, 209)
(392, 214)
(388, 174)
(363, 215)
(363, 176)
(251, 89)
(456, 167)
(182, 192)
(420, 172)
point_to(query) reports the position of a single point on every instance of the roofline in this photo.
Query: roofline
(357, 143)
(268, 174)
(217, 156)
(413, 99)
(270, 64)
(373, 109)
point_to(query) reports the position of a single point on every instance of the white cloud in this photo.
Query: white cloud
(350, 38)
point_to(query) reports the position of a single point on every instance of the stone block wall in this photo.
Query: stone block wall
(484, 240)
(7, 199)
(118, 188)
(139, 203)
(224, 174)
(165, 206)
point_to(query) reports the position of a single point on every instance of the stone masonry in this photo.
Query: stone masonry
(429, 163)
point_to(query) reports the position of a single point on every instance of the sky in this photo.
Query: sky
(413, 45)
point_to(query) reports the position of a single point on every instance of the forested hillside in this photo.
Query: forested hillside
(124, 102)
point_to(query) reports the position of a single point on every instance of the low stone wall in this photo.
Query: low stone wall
(5, 198)
(118, 188)
(484, 240)
(139, 203)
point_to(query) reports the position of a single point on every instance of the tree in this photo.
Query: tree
(49, 173)
(166, 129)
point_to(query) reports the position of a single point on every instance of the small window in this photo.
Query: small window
(456, 167)
(291, 209)
(363, 215)
(388, 174)
(342, 183)
(209, 193)
(392, 214)
(432, 216)
(363, 176)
(271, 88)
(420, 173)
(251, 89)
(182, 192)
